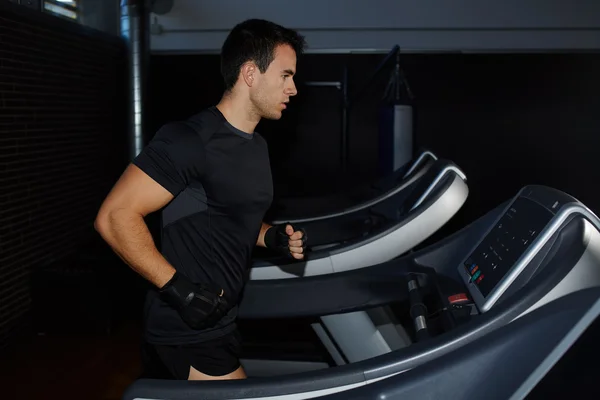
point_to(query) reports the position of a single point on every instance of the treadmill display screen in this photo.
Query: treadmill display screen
(505, 243)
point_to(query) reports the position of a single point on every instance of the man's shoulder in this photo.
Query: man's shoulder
(261, 140)
(198, 126)
(206, 122)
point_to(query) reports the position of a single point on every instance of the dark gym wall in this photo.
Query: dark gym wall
(62, 143)
(507, 119)
(513, 120)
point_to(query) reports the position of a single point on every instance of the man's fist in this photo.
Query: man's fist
(286, 240)
(200, 306)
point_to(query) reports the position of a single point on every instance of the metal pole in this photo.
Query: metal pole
(135, 29)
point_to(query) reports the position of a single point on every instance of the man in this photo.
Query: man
(211, 178)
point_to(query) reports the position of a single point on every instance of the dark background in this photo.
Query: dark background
(507, 120)
(62, 146)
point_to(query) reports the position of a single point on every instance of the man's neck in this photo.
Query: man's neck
(237, 112)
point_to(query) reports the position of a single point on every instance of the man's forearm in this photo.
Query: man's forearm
(129, 237)
(261, 236)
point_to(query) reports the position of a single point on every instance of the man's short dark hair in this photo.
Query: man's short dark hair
(255, 40)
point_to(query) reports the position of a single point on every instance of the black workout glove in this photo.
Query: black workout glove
(200, 306)
(277, 239)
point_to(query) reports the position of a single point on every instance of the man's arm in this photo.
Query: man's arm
(261, 236)
(120, 222)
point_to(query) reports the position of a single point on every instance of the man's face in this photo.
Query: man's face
(273, 89)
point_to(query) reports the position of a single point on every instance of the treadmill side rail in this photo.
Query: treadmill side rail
(328, 294)
(505, 364)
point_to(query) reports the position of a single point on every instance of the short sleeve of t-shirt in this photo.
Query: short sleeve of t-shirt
(173, 157)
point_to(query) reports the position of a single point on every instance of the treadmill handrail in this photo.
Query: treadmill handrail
(419, 161)
(361, 206)
(389, 227)
(566, 211)
(438, 178)
(436, 190)
(407, 179)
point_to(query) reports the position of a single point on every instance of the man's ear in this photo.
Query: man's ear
(249, 71)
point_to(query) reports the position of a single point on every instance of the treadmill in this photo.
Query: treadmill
(308, 208)
(548, 353)
(374, 234)
(533, 261)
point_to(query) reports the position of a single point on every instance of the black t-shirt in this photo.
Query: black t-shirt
(221, 180)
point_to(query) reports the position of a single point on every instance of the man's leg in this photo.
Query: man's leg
(217, 359)
(196, 375)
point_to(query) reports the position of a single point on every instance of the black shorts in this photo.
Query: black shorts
(215, 357)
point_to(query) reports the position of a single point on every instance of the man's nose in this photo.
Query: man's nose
(292, 90)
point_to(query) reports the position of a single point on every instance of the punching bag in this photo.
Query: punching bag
(395, 124)
(395, 137)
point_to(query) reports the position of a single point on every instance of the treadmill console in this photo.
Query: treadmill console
(503, 253)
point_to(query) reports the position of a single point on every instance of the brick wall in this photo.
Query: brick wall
(62, 143)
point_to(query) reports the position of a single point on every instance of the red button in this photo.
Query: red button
(458, 298)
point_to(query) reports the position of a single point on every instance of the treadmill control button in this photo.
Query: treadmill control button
(458, 298)
(471, 268)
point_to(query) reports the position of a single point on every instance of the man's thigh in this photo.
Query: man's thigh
(216, 359)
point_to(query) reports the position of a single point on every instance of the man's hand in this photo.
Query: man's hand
(286, 240)
(296, 241)
(200, 306)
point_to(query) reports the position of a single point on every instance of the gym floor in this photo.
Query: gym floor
(92, 366)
